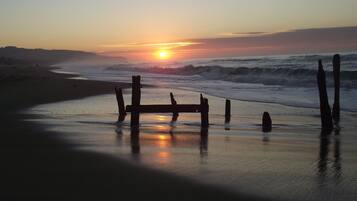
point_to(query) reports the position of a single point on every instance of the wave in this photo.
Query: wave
(297, 77)
(286, 59)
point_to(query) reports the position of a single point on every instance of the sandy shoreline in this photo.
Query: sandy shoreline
(35, 166)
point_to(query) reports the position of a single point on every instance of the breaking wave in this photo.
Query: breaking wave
(296, 77)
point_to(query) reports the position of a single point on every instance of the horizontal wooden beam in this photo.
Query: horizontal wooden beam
(186, 108)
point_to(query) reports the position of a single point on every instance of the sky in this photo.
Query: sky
(179, 28)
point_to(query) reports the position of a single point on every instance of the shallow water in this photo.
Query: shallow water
(291, 163)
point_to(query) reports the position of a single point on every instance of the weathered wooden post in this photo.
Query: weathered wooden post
(121, 105)
(228, 111)
(325, 111)
(336, 76)
(174, 103)
(135, 101)
(266, 122)
(204, 111)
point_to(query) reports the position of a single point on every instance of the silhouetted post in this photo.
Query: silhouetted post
(135, 100)
(336, 76)
(325, 111)
(204, 111)
(121, 105)
(174, 103)
(228, 111)
(266, 122)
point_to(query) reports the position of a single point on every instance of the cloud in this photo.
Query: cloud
(293, 41)
(335, 39)
(167, 45)
(244, 34)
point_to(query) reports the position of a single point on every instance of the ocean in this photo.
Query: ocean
(293, 162)
(287, 80)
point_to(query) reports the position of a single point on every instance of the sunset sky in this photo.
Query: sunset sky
(144, 29)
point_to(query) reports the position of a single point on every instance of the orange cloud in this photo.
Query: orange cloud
(253, 43)
(167, 45)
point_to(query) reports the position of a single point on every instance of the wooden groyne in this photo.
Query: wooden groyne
(328, 116)
(136, 108)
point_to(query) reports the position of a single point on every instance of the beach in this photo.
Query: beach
(37, 165)
(293, 162)
(178, 100)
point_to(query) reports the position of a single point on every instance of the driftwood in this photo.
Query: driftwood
(325, 111)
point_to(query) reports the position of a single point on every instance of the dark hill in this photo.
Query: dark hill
(42, 56)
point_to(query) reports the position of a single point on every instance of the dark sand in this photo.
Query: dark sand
(36, 166)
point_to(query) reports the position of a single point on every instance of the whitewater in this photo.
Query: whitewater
(287, 79)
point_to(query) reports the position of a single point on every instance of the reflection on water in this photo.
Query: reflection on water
(337, 162)
(324, 149)
(266, 137)
(227, 126)
(204, 142)
(293, 162)
(135, 140)
(324, 161)
(162, 140)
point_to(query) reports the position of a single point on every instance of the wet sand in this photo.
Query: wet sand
(290, 163)
(36, 165)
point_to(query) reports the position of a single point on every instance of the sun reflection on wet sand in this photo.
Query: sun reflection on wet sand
(158, 140)
(162, 157)
(162, 118)
(161, 128)
(163, 141)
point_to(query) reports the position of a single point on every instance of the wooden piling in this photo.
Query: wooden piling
(228, 111)
(135, 101)
(174, 103)
(325, 111)
(266, 122)
(336, 75)
(121, 104)
(135, 108)
(204, 112)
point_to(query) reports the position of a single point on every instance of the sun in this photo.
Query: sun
(163, 54)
